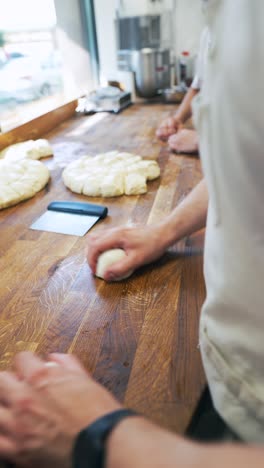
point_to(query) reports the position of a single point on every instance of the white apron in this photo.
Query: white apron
(229, 115)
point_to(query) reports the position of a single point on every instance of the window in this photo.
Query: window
(43, 57)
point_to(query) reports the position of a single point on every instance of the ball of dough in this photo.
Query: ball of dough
(107, 258)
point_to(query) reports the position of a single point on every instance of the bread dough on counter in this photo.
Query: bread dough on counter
(110, 174)
(31, 149)
(21, 180)
(108, 258)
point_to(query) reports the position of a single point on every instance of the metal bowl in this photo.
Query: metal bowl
(174, 95)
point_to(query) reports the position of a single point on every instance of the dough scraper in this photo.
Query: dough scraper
(71, 218)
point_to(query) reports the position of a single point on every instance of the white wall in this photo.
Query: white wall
(188, 23)
(75, 56)
(105, 14)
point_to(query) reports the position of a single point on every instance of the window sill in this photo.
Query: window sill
(37, 119)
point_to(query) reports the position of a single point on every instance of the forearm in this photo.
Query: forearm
(137, 443)
(184, 112)
(188, 217)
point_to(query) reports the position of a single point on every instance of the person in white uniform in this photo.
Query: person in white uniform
(43, 407)
(180, 139)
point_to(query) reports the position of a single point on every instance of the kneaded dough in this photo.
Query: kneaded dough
(92, 186)
(112, 185)
(31, 149)
(20, 180)
(135, 184)
(110, 174)
(106, 259)
(150, 169)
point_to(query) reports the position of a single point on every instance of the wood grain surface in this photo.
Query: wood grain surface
(138, 337)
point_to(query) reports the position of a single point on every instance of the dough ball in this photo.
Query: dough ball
(107, 258)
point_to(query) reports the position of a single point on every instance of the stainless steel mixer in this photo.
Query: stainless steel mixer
(144, 44)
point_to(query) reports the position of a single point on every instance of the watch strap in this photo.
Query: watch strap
(89, 449)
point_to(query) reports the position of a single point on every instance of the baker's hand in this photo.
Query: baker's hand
(168, 127)
(185, 141)
(44, 406)
(142, 245)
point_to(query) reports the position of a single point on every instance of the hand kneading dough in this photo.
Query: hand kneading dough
(106, 259)
(31, 149)
(20, 180)
(110, 174)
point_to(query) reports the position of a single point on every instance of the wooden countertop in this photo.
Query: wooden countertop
(139, 337)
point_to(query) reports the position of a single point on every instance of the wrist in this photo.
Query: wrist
(137, 442)
(169, 231)
(178, 119)
(126, 441)
(91, 443)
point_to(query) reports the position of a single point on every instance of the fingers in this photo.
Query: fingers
(6, 421)
(100, 245)
(10, 387)
(177, 142)
(167, 128)
(163, 133)
(27, 365)
(36, 372)
(7, 447)
(174, 143)
(67, 361)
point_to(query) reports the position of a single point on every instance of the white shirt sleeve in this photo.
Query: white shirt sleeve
(201, 59)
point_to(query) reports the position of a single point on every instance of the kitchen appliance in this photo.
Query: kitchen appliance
(71, 218)
(175, 94)
(104, 99)
(152, 69)
(145, 47)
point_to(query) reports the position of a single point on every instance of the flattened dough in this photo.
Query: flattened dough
(107, 258)
(20, 180)
(31, 149)
(110, 174)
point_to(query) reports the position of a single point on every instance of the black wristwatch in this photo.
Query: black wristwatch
(89, 449)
